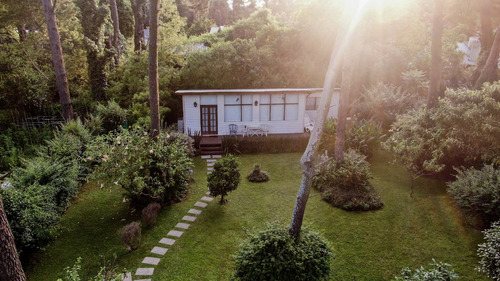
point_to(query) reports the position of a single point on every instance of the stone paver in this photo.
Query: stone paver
(211, 160)
(216, 156)
(205, 156)
(188, 218)
(210, 169)
(209, 172)
(159, 250)
(142, 280)
(150, 260)
(208, 193)
(175, 233)
(200, 204)
(145, 271)
(167, 241)
(182, 225)
(128, 277)
(210, 164)
(194, 211)
(208, 199)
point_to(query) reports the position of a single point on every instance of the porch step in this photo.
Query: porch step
(211, 145)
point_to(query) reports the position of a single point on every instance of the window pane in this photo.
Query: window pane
(310, 103)
(232, 99)
(264, 113)
(292, 98)
(232, 113)
(265, 99)
(277, 112)
(247, 99)
(278, 98)
(292, 112)
(247, 113)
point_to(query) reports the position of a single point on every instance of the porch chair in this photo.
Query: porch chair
(265, 129)
(308, 123)
(233, 129)
(245, 131)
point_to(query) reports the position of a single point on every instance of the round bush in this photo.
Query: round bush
(478, 192)
(273, 255)
(224, 178)
(345, 184)
(257, 175)
(489, 252)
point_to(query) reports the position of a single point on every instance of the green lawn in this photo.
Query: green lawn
(368, 246)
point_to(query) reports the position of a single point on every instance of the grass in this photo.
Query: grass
(368, 245)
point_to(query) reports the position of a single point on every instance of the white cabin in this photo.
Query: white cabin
(281, 111)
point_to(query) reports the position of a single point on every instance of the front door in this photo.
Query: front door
(208, 119)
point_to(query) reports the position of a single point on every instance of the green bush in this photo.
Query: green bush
(273, 255)
(150, 171)
(257, 175)
(489, 252)
(104, 274)
(270, 144)
(361, 135)
(112, 115)
(224, 178)
(345, 184)
(439, 271)
(383, 103)
(478, 192)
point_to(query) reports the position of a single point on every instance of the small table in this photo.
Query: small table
(254, 131)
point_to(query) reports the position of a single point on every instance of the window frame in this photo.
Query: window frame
(241, 105)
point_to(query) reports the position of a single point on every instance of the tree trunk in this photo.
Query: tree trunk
(307, 160)
(486, 38)
(490, 69)
(345, 93)
(137, 10)
(436, 60)
(116, 30)
(57, 60)
(10, 265)
(154, 99)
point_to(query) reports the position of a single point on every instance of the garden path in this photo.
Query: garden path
(147, 268)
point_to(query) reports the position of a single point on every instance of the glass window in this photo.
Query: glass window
(292, 112)
(237, 108)
(264, 112)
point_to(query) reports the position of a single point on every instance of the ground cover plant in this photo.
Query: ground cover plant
(368, 246)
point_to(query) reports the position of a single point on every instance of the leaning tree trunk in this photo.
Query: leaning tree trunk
(436, 60)
(485, 7)
(345, 93)
(116, 30)
(57, 60)
(137, 10)
(307, 160)
(154, 99)
(490, 69)
(10, 265)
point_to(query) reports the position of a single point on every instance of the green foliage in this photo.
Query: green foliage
(383, 103)
(361, 135)
(269, 144)
(489, 252)
(112, 115)
(346, 184)
(258, 175)
(477, 192)
(149, 170)
(273, 254)
(73, 274)
(224, 178)
(415, 82)
(439, 272)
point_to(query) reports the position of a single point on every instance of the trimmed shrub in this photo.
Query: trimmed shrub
(150, 213)
(438, 271)
(112, 115)
(273, 254)
(270, 144)
(345, 184)
(224, 178)
(489, 252)
(150, 171)
(257, 175)
(131, 235)
(478, 192)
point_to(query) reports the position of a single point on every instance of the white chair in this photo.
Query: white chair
(245, 130)
(308, 123)
(265, 129)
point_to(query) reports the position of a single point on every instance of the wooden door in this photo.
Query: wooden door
(208, 119)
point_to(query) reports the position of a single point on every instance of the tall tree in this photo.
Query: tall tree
(10, 265)
(57, 59)
(116, 30)
(345, 93)
(486, 38)
(154, 95)
(308, 158)
(436, 59)
(139, 18)
(490, 69)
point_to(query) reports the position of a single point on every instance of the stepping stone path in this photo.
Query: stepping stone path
(160, 251)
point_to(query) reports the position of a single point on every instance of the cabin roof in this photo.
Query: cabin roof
(248, 91)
